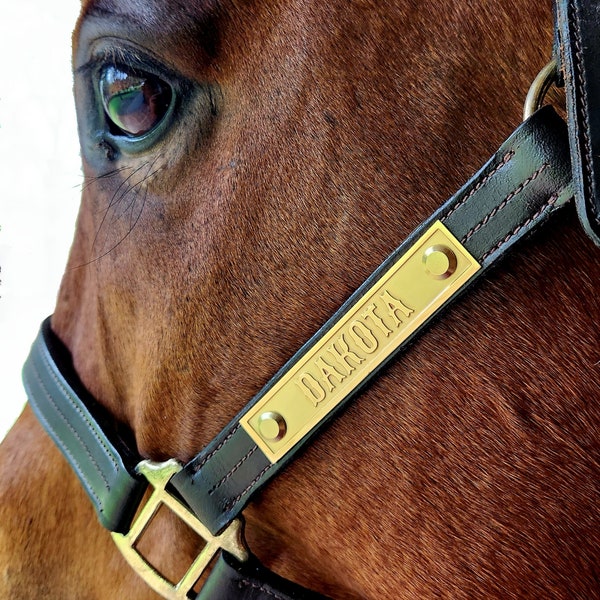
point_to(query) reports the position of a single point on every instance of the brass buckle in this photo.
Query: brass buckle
(231, 539)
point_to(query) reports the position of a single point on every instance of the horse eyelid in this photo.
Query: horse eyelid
(127, 57)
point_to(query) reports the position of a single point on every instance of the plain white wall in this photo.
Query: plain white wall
(40, 177)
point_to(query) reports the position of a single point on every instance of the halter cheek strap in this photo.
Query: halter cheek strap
(577, 55)
(520, 187)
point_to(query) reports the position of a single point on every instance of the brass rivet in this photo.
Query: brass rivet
(440, 261)
(272, 426)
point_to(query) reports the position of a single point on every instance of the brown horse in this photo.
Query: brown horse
(285, 149)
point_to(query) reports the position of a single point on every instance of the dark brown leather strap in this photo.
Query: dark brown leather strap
(578, 57)
(234, 580)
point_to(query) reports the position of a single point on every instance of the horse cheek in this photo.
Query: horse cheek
(49, 534)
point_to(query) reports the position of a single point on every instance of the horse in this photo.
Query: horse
(282, 150)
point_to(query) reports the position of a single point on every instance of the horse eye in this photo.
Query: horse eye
(134, 102)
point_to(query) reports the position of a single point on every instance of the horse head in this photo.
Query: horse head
(247, 165)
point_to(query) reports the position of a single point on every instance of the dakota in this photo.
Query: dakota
(358, 339)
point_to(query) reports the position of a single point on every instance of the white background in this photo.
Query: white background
(40, 177)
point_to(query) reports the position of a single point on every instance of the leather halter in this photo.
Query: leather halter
(520, 187)
(577, 53)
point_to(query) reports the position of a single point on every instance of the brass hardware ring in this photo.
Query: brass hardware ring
(539, 87)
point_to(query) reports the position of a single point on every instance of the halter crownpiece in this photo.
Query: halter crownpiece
(577, 55)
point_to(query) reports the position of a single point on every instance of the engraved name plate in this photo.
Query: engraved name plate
(406, 295)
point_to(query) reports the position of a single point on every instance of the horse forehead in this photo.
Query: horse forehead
(166, 16)
(148, 10)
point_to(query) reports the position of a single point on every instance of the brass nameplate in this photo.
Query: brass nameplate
(416, 285)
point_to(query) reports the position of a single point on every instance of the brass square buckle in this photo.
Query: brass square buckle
(231, 539)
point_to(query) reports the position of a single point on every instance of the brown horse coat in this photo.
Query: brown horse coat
(310, 139)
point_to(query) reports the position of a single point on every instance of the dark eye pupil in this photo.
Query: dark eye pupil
(134, 102)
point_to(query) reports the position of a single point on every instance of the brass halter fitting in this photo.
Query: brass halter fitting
(231, 539)
(539, 87)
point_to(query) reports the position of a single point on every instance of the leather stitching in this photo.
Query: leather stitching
(551, 201)
(74, 462)
(235, 500)
(505, 159)
(504, 203)
(582, 107)
(255, 586)
(90, 425)
(76, 465)
(71, 428)
(211, 454)
(233, 470)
